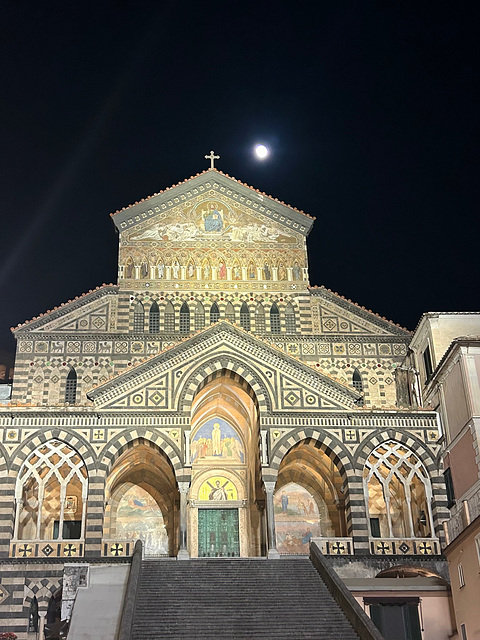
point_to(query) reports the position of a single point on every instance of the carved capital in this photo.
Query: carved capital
(269, 486)
(184, 487)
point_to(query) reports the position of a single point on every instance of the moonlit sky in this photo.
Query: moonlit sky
(368, 109)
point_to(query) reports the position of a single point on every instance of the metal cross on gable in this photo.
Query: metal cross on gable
(212, 157)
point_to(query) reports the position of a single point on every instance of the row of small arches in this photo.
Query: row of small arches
(198, 317)
(220, 270)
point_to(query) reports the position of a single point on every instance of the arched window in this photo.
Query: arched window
(357, 381)
(290, 318)
(260, 318)
(169, 318)
(199, 316)
(138, 318)
(154, 319)
(185, 318)
(71, 387)
(398, 493)
(51, 494)
(230, 312)
(33, 617)
(274, 319)
(245, 316)
(214, 313)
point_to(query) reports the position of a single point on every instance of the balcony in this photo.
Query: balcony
(404, 546)
(47, 548)
(468, 511)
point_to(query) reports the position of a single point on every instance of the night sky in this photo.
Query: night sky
(369, 109)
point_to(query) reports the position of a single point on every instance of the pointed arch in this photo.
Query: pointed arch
(245, 316)
(214, 313)
(144, 268)
(138, 318)
(154, 318)
(206, 270)
(52, 486)
(230, 312)
(169, 318)
(290, 324)
(199, 316)
(129, 271)
(259, 318)
(71, 387)
(398, 492)
(357, 382)
(185, 318)
(274, 319)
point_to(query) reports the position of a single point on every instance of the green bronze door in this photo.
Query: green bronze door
(218, 533)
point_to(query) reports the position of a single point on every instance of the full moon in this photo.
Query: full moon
(261, 151)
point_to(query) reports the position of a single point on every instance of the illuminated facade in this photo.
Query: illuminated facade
(213, 403)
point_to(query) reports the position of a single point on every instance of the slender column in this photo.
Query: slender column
(183, 551)
(41, 625)
(271, 537)
(408, 502)
(389, 517)
(18, 511)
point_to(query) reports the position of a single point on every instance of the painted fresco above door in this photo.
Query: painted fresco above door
(215, 440)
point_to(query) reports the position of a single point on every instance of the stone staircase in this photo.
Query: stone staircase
(222, 599)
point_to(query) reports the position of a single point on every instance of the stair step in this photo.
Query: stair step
(225, 599)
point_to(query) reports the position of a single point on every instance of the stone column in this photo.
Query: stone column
(183, 551)
(41, 624)
(271, 537)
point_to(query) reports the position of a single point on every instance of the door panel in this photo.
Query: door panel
(218, 533)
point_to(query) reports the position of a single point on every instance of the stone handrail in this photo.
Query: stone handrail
(125, 632)
(357, 617)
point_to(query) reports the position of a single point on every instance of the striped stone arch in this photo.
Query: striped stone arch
(322, 440)
(128, 438)
(237, 370)
(43, 590)
(417, 446)
(3, 460)
(72, 439)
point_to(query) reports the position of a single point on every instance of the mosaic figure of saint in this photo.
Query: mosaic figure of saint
(281, 272)
(266, 271)
(237, 272)
(129, 269)
(296, 272)
(213, 221)
(175, 269)
(206, 271)
(144, 269)
(217, 440)
(161, 269)
(222, 271)
(218, 492)
(190, 270)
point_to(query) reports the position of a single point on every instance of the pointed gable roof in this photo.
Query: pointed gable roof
(161, 382)
(56, 314)
(269, 206)
(384, 326)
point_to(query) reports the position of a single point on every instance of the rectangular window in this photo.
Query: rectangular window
(477, 543)
(396, 618)
(461, 575)
(447, 474)
(375, 527)
(463, 629)
(427, 363)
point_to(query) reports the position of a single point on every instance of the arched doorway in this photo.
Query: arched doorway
(309, 500)
(226, 496)
(143, 500)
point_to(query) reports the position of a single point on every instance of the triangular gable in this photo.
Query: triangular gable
(215, 185)
(161, 383)
(92, 312)
(336, 315)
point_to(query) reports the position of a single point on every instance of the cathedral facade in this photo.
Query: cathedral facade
(212, 403)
